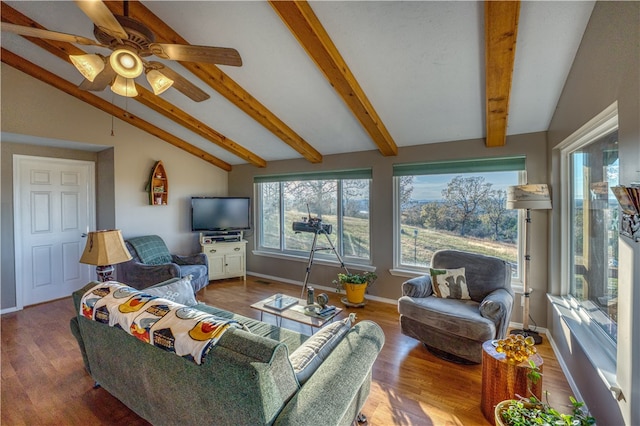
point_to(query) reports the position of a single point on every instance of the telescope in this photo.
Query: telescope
(313, 225)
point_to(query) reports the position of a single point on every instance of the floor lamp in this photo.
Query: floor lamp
(528, 197)
(105, 249)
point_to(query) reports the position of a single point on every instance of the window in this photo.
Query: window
(459, 205)
(593, 224)
(339, 199)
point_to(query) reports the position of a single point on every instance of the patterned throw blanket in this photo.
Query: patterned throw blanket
(187, 332)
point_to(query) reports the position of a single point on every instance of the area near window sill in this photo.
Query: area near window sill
(316, 260)
(600, 351)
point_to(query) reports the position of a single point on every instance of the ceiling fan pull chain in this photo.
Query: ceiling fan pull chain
(112, 100)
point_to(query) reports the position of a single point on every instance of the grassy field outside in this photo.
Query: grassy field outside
(418, 244)
(417, 248)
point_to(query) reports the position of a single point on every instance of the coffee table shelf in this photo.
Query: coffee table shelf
(294, 313)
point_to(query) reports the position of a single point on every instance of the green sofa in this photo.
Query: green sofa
(246, 379)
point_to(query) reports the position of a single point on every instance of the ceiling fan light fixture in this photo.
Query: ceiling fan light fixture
(126, 63)
(89, 65)
(124, 87)
(158, 81)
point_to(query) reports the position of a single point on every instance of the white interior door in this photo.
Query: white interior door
(54, 207)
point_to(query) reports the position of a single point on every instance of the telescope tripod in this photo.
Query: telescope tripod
(314, 248)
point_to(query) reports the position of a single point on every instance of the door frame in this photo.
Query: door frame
(17, 218)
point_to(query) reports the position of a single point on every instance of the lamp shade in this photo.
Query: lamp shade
(124, 87)
(126, 63)
(535, 197)
(105, 248)
(89, 65)
(158, 81)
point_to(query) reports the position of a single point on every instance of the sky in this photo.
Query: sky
(429, 187)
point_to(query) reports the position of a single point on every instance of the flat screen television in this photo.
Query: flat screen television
(220, 214)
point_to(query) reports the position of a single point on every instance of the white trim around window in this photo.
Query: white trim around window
(599, 348)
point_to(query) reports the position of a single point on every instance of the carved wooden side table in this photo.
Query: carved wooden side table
(502, 380)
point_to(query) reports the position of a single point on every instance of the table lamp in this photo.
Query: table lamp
(105, 249)
(528, 197)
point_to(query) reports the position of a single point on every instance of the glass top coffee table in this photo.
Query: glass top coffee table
(294, 313)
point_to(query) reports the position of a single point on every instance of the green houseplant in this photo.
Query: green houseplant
(531, 411)
(355, 285)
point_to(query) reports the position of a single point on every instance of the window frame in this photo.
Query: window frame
(603, 124)
(465, 167)
(340, 176)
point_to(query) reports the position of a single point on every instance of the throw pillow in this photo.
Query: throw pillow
(308, 357)
(179, 291)
(449, 283)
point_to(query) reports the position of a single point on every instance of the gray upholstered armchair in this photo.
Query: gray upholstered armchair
(454, 326)
(152, 263)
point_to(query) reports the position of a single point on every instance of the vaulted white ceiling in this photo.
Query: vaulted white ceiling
(421, 65)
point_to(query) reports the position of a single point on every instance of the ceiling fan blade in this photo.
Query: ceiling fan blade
(180, 83)
(101, 81)
(46, 34)
(187, 52)
(102, 17)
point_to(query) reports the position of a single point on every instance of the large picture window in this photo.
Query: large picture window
(593, 224)
(456, 205)
(339, 199)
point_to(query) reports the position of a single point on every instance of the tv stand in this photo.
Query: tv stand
(220, 237)
(226, 253)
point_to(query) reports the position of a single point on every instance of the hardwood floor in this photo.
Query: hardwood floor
(44, 381)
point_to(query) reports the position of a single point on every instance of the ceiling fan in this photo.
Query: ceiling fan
(131, 42)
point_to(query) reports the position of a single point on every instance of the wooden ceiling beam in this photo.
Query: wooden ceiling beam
(63, 50)
(219, 81)
(306, 27)
(501, 33)
(45, 76)
(156, 103)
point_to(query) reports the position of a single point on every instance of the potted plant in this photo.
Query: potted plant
(355, 285)
(532, 411)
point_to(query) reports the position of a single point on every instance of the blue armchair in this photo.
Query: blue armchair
(152, 263)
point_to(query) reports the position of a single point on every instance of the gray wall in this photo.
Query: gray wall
(388, 286)
(606, 69)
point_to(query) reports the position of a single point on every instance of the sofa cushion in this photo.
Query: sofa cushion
(177, 290)
(449, 283)
(457, 317)
(151, 249)
(308, 357)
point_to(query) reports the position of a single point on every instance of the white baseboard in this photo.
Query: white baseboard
(9, 310)
(565, 369)
(319, 287)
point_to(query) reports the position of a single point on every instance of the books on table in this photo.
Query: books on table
(280, 302)
(316, 311)
(326, 310)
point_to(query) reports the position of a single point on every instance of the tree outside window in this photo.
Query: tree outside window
(463, 211)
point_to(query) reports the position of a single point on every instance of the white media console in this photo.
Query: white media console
(226, 252)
